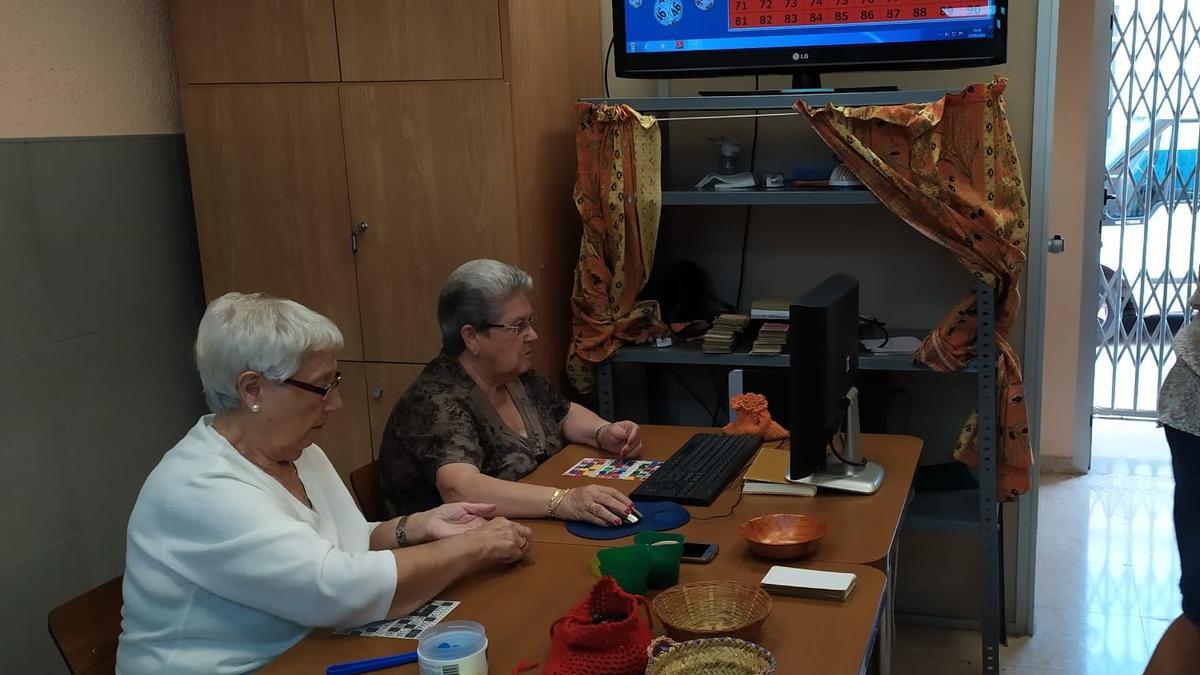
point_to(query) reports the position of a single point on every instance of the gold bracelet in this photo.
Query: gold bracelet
(555, 500)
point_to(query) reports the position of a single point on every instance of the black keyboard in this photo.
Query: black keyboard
(700, 470)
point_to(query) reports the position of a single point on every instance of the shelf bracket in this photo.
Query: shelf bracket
(991, 607)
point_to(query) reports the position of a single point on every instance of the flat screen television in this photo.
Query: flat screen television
(804, 38)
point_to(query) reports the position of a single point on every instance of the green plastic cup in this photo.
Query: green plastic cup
(665, 551)
(629, 565)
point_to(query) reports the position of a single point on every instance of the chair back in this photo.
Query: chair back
(85, 629)
(364, 483)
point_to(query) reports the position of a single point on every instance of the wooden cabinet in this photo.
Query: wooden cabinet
(431, 171)
(388, 40)
(447, 129)
(347, 439)
(255, 41)
(386, 383)
(269, 189)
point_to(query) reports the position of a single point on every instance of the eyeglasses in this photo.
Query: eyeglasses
(323, 392)
(522, 326)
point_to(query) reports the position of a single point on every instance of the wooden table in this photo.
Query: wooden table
(517, 605)
(862, 528)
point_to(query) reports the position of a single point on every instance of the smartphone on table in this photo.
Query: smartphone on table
(698, 552)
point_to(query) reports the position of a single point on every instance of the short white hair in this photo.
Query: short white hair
(472, 296)
(256, 332)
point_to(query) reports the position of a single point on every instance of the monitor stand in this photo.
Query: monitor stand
(802, 83)
(852, 475)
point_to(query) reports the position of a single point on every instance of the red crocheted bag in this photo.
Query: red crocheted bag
(601, 635)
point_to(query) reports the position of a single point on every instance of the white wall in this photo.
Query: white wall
(86, 68)
(1071, 277)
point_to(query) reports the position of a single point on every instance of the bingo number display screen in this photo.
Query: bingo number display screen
(656, 26)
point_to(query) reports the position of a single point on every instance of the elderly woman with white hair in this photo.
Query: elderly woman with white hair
(243, 538)
(478, 419)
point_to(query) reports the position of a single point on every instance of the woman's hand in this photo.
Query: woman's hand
(502, 541)
(447, 520)
(622, 438)
(595, 504)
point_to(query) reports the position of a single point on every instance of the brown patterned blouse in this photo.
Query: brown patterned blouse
(444, 418)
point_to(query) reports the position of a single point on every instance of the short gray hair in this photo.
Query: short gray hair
(259, 333)
(472, 295)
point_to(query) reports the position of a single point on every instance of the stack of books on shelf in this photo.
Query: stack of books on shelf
(771, 309)
(724, 334)
(772, 337)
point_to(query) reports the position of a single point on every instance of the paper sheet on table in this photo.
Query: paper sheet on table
(406, 627)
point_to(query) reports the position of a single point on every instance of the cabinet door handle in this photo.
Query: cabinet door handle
(376, 393)
(359, 230)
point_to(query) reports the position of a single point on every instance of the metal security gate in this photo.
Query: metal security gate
(1148, 235)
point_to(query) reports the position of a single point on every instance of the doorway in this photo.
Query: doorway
(1148, 230)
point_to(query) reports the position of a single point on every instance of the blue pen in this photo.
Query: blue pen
(369, 665)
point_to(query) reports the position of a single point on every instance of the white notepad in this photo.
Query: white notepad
(809, 583)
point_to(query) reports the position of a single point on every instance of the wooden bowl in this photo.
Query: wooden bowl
(707, 609)
(783, 536)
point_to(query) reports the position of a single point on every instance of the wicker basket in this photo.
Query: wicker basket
(708, 609)
(711, 656)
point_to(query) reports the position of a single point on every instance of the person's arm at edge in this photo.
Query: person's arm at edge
(462, 482)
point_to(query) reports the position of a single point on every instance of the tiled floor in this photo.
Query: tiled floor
(1107, 570)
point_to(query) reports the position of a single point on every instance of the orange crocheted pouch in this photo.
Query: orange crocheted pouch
(754, 418)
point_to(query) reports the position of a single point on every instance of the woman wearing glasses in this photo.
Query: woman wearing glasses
(243, 538)
(478, 419)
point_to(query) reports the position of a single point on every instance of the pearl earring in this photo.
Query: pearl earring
(254, 407)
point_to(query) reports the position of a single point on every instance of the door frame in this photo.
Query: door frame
(1045, 69)
(1093, 195)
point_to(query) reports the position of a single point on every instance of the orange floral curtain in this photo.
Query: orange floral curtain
(950, 170)
(618, 193)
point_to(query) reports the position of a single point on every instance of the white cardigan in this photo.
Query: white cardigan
(225, 569)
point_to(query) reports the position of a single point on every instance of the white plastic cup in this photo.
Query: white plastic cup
(453, 648)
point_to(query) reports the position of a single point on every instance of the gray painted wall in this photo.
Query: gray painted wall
(99, 298)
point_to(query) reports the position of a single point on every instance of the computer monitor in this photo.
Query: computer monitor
(822, 388)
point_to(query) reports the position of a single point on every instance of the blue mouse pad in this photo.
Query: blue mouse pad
(657, 516)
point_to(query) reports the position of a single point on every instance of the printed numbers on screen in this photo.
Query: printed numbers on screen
(773, 14)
